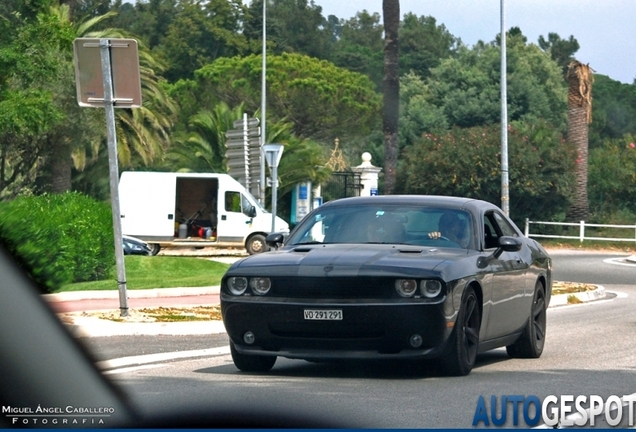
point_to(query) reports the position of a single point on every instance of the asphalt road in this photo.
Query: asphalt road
(590, 349)
(605, 268)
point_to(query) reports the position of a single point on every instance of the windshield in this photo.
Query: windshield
(423, 226)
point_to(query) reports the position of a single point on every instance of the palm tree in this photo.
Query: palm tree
(202, 147)
(142, 132)
(580, 80)
(391, 89)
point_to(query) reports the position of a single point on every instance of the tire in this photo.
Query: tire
(464, 342)
(154, 248)
(251, 363)
(531, 342)
(256, 244)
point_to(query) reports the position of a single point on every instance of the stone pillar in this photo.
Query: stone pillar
(368, 176)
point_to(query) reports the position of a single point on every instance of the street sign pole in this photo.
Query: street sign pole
(111, 67)
(109, 105)
(246, 147)
(273, 153)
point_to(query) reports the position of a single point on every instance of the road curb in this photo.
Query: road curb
(97, 327)
(139, 293)
(583, 297)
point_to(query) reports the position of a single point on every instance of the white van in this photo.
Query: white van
(193, 210)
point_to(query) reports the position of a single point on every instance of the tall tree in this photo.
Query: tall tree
(342, 104)
(293, 26)
(142, 132)
(391, 91)
(561, 50)
(580, 81)
(466, 86)
(201, 32)
(423, 44)
(360, 45)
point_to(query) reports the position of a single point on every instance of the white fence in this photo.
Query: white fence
(582, 226)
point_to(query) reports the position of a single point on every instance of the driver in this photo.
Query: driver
(452, 228)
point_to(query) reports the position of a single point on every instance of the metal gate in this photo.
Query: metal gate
(341, 184)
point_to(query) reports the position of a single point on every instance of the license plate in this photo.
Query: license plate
(323, 315)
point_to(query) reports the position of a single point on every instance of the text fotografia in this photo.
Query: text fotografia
(554, 411)
(68, 415)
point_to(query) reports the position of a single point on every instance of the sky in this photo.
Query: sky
(605, 29)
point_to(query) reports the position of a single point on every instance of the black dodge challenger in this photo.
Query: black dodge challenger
(390, 277)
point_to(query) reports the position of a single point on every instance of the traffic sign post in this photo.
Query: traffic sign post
(273, 153)
(243, 152)
(107, 75)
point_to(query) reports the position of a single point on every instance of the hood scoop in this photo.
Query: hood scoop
(411, 250)
(303, 249)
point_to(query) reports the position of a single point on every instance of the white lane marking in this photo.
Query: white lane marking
(154, 358)
(617, 261)
(132, 369)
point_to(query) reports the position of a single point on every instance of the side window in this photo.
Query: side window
(491, 232)
(247, 205)
(495, 226)
(233, 202)
(505, 226)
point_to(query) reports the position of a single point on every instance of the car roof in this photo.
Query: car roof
(451, 202)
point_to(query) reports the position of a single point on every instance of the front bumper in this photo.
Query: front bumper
(367, 329)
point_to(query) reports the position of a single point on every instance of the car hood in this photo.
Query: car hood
(352, 260)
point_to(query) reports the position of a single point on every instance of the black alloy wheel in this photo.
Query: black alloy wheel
(251, 363)
(530, 344)
(464, 343)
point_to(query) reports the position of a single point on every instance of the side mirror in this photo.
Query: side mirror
(251, 212)
(275, 240)
(507, 244)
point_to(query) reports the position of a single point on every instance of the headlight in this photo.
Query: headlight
(260, 285)
(237, 285)
(406, 287)
(430, 288)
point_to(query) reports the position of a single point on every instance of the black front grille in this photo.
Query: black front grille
(333, 287)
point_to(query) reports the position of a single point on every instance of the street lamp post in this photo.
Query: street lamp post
(261, 197)
(505, 200)
(273, 153)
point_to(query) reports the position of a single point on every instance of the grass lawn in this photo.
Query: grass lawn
(144, 272)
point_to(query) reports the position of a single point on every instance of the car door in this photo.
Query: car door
(234, 220)
(507, 301)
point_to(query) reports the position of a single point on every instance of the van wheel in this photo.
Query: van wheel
(154, 248)
(256, 244)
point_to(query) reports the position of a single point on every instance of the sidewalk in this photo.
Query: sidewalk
(74, 309)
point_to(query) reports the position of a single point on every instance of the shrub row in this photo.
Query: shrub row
(61, 238)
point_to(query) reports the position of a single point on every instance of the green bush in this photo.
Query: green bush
(61, 238)
(612, 179)
(467, 162)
